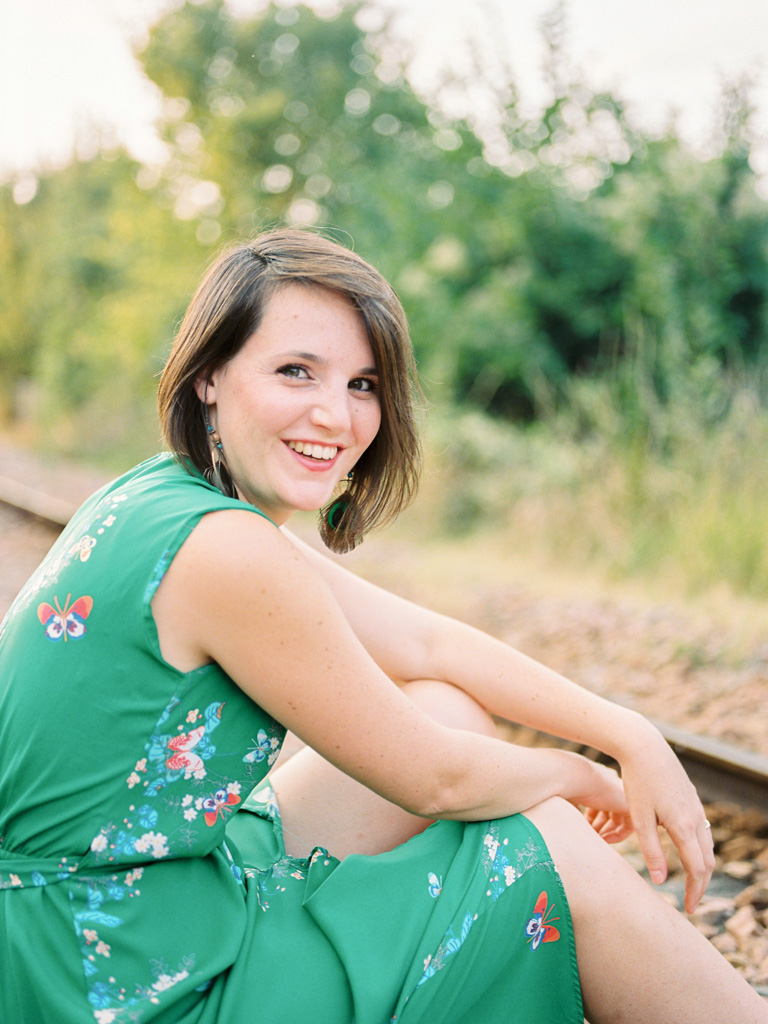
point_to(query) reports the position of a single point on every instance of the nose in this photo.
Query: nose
(332, 410)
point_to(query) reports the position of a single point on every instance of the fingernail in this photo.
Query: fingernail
(657, 877)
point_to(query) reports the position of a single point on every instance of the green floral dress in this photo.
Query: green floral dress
(142, 870)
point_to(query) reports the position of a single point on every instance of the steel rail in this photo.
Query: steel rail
(27, 500)
(721, 772)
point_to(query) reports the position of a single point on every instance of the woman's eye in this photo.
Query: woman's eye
(364, 384)
(293, 370)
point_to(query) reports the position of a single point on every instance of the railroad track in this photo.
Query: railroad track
(721, 772)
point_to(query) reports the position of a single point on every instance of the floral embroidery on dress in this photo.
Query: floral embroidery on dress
(111, 1002)
(268, 882)
(25, 879)
(160, 824)
(86, 545)
(450, 944)
(266, 745)
(496, 862)
(92, 926)
(170, 758)
(320, 854)
(528, 857)
(500, 872)
(264, 801)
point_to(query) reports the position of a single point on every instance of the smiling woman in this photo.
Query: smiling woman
(405, 865)
(291, 290)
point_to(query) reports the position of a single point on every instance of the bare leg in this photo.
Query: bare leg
(321, 806)
(640, 960)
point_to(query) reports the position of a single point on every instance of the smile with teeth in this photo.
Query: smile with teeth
(313, 451)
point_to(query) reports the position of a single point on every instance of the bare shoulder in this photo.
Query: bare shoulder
(242, 562)
(234, 571)
(227, 541)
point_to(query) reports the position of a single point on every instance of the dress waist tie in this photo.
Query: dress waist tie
(20, 871)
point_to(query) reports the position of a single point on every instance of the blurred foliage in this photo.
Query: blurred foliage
(526, 250)
(92, 277)
(682, 508)
(562, 269)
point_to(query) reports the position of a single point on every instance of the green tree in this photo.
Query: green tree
(92, 276)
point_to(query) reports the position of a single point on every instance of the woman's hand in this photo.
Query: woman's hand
(653, 790)
(613, 828)
(598, 792)
(660, 793)
(602, 798)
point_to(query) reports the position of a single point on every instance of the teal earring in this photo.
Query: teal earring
(336, 512)
(218, 472)
(332, 517)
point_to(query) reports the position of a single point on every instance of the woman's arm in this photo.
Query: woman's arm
(410, 642)
(276, 629)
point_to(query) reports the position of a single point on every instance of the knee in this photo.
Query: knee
(450, 706)
(558, 814)
(584, 861)
(565, 829)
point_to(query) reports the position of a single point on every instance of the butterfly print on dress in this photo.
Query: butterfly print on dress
(67, 622)
(538, 929)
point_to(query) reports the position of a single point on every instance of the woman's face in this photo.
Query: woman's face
(298, 405)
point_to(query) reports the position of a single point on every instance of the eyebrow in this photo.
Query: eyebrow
(312, 357)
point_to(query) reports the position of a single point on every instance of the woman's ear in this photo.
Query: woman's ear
(205, 389)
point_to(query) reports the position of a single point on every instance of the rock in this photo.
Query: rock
(756, 895)
(725, 943)
(741, 847)
(738, 960)
(757, 950)
(713, 911)
(742, 924)
(743, 870)
(723, 885)
(761, 973)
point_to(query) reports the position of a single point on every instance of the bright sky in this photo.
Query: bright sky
(67, 63)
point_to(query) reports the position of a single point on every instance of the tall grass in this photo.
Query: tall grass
(617, 481)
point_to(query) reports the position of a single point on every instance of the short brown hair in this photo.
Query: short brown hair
(228, 307)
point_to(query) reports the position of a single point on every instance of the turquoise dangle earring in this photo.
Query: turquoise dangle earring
(217, 457)
(215, 473)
